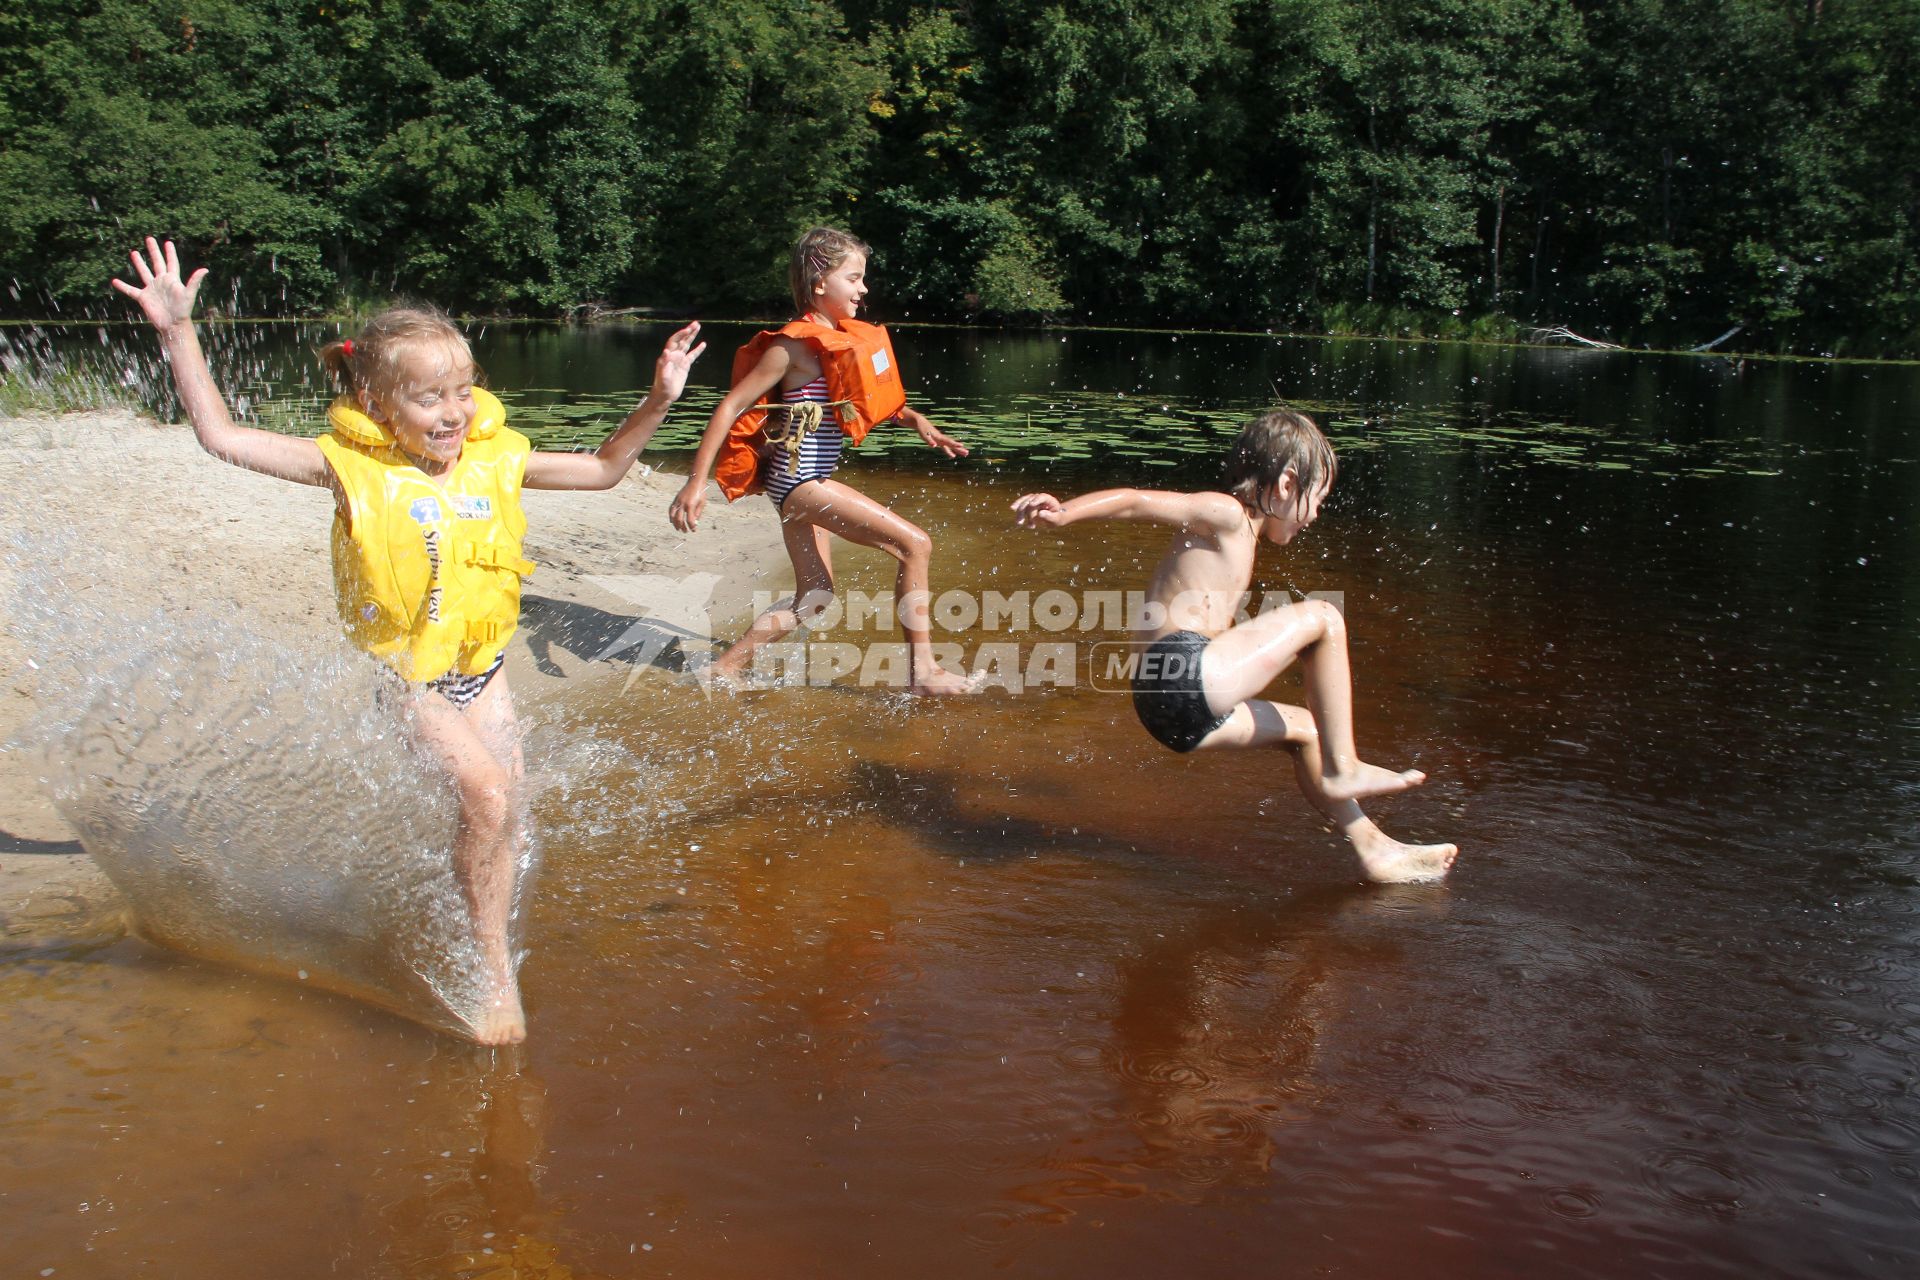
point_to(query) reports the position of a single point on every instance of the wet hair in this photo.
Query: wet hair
(1273, 444)
(375, 360)
(815, 256)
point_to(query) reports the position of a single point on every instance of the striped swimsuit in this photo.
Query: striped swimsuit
(461, 690)
(819, 452)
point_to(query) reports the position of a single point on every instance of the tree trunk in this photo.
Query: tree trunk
(1539, 249)
(1666, 194)
(1499, 219)
(1373, 209)
(1373, 234)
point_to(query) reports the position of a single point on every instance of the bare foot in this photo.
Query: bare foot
(715, 678)
(1387, 861)
(941, 683)
(724, 672)
(502, 1021)
(1363, 780)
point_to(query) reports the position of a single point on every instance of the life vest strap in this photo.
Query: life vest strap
(801, 419)
(487, 556)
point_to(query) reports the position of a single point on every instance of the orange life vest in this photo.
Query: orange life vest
(862, 377)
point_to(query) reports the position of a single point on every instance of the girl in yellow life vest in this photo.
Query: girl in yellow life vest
(426, 480)
(839, 373)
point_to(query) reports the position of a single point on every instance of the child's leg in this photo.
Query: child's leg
(483, 844)
(492, 717)
(1243, 660)
(846, 511)
(807, 548)
(1258, 723)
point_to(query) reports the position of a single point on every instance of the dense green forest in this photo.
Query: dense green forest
(1653, 171)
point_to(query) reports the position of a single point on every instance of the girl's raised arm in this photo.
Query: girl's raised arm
(1138, 506)
(167, 301)
(603, 469)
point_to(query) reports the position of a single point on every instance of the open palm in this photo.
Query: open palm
(676, 359)
(166, 299)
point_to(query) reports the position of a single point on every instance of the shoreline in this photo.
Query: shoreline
(666, 317)
(185, 533)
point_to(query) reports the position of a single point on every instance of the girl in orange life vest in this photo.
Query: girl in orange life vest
(808, 361)
(426, 480)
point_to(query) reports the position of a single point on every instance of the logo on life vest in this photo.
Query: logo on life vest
(433, 566)
(424, 511)
(472, 507)
(880, 362)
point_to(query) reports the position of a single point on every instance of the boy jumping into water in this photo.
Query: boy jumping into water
(1198, 674)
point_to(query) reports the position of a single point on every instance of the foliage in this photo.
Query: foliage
(1653, 170)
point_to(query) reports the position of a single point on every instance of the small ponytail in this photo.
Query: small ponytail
(337, 359)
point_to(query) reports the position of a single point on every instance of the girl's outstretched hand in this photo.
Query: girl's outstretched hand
(163, 296)
(676, 360)
(938, 439)
(1039, 510)
(934, 437)
(686, 507)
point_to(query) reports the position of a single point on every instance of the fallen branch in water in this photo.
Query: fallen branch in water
(1560, 333)
(600, 312)
(1708, 346)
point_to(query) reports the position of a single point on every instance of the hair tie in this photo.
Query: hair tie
(347, 347)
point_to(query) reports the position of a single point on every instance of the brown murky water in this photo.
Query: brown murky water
(834, 983)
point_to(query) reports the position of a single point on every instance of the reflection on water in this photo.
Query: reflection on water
(823, 979)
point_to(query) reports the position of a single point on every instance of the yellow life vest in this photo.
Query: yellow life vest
(426, 573)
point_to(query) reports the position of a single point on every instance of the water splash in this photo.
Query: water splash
(258, 805)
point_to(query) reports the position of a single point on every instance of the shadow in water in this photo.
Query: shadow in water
(593, 634)
(11, 843)
(926, 802)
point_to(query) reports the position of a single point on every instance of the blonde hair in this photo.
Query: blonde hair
(1272, 444)
(375, 360)
(815, 257)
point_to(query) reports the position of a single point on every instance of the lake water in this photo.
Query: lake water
(830, 982)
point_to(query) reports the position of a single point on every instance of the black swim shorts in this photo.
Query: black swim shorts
(1167, 693)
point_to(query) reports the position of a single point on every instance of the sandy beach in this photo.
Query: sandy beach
(200, 539)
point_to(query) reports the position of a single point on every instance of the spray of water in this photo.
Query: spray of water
(258, 805)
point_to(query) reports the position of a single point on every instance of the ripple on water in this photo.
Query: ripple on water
(1233, 1126)
(1573, 1202)
(1080, 1055)
(1853, 1175)
(1156, 1070)
(1477, 1108)
(1696, 1182)
(987, 1228)
(1882, 1134)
